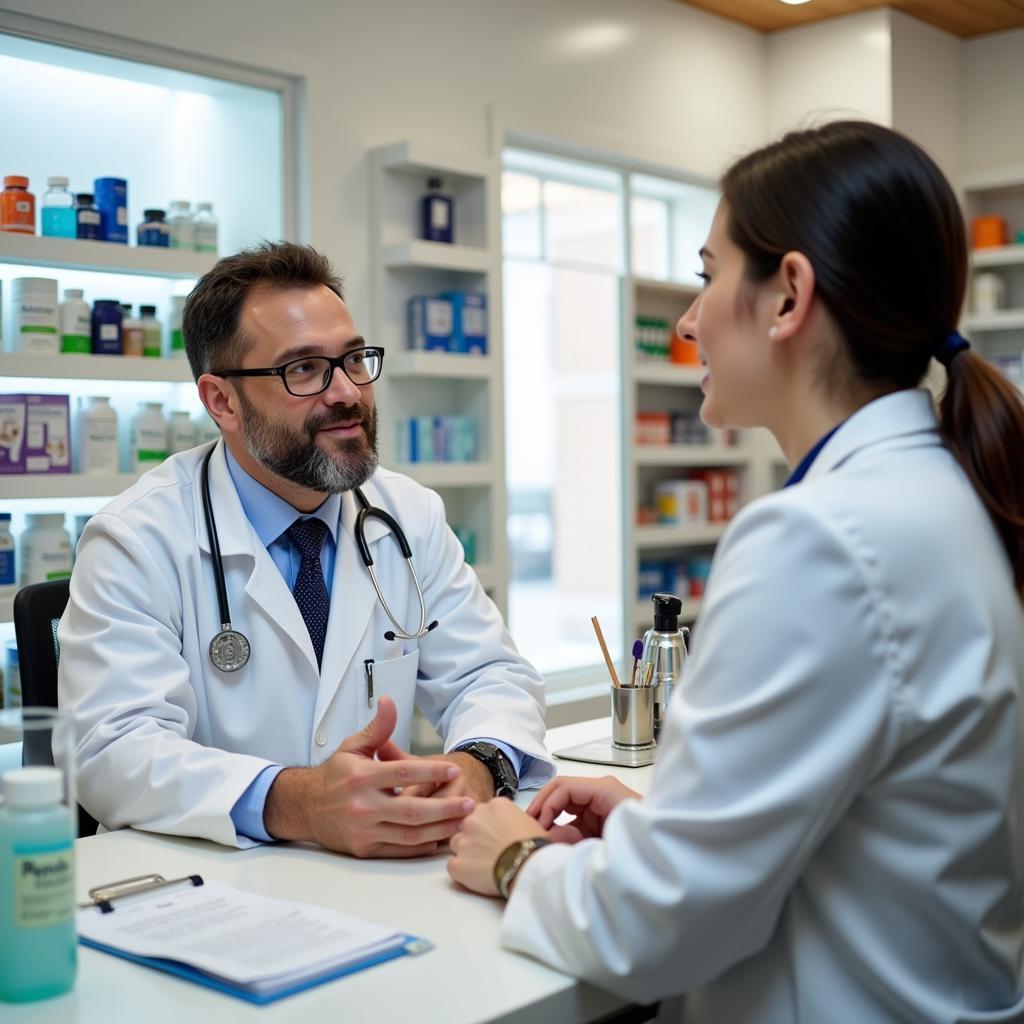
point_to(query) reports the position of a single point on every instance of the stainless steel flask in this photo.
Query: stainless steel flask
(664, 654)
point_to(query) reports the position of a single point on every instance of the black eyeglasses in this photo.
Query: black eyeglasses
(313, 374)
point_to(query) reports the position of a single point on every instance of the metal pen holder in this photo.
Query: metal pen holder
(633, 716)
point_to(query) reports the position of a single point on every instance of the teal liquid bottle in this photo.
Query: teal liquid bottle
(38, 952)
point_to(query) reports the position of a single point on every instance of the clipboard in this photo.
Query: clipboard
(104, 897)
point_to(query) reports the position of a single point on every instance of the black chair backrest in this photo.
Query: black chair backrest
(37, 612)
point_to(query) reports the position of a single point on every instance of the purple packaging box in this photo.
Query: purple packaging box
(47, 434)
(12, 433)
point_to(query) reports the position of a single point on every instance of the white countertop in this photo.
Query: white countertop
(466, 979)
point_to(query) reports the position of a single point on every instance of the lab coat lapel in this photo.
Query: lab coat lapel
(266, 586)
(353, 599)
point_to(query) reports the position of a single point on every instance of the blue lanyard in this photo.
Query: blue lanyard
(807, 461)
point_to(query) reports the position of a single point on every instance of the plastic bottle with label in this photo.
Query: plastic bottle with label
(58, 213)
(87, 217)
(17, 206)
(176, 346)
(8, 562)
(204, 227)
(75, 322)
(149, 436)
(37, 886)
(179, 220)
(437, 213)
(152, 333)
(35, 311)
(97, 438)
(107, 319)
(132, 336)
(44, 549)
(154, 229)
(182, 432)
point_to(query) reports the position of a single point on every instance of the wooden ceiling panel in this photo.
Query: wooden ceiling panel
(960, 17)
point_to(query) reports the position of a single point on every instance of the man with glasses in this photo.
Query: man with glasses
(230, 663)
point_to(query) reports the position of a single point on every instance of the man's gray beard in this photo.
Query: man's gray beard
(301, 461)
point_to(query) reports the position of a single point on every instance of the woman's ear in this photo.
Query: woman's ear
(793, 296)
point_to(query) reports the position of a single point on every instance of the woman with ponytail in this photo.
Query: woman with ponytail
(834, 830)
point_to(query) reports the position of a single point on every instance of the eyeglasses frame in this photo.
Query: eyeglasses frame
(337, 363)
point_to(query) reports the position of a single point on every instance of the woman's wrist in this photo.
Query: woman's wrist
(511, 860)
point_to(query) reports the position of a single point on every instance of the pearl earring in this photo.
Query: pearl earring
(772, 331)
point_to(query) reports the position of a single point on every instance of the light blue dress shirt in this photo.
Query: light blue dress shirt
(270, 516)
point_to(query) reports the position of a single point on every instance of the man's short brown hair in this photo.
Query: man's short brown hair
(210, 319)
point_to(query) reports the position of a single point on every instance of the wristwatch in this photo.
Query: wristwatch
(511, 859)
(506, 782)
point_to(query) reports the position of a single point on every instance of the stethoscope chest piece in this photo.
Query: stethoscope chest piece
(229, 650)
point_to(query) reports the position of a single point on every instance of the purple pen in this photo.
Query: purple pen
(638, 650)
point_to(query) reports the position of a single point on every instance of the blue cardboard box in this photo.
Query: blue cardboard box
(469, 322)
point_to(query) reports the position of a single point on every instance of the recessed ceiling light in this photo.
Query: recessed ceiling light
(793, 3)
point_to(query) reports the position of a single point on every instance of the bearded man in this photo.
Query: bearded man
(227, 657)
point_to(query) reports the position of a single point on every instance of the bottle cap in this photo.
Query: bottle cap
(5, 516)
(84, 198)
(36, 786)
(147, 310)
(181, 204)
(15, 181)
(434, 182)
(73, 293)
(153, 214)
(208, 207)
(126, 308)
(667, 608)
(97, 399)
(57, 181)
(44, 518)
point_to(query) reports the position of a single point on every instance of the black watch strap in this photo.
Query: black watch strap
(497, 762)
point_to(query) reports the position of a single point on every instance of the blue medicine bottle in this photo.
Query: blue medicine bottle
(58, 214)
(87, 216)
(38, 953)
(437, 214)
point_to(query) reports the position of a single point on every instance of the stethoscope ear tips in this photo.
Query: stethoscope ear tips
(390, 635)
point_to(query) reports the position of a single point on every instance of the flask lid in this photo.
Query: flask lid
(667, 609)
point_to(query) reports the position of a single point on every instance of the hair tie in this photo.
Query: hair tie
(951, 346)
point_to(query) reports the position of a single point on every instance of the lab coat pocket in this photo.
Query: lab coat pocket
(394, 678)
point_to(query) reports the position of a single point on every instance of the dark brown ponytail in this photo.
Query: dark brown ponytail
(884, 232)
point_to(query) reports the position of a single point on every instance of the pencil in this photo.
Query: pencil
(604, 651)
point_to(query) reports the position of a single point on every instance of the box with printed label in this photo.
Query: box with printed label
(12, 433)
(681, 501)
(469, 322)
(431, 324)
(47, 434)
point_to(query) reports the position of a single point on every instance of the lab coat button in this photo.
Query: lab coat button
(321, 738)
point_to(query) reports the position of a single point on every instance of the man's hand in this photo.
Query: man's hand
(474, 781)
(349, 803)
(482, 838)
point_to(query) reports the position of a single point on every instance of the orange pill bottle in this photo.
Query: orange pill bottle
(17, 206)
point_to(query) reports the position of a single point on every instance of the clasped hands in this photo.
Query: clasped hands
(372, 799)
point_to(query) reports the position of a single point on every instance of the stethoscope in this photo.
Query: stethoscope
(230, 650)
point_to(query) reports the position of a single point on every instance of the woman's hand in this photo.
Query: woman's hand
(483, 836)
(590, 801)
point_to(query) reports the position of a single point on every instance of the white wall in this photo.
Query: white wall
(839, 67)
(993, 98)
(651, 79)
(927, 89)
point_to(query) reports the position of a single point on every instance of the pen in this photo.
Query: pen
(368, 666)
(638, 650)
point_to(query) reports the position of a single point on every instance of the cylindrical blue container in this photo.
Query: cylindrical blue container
(154, 230)
(106, 327)
(87, 216)
(437, 214)
(112, 200)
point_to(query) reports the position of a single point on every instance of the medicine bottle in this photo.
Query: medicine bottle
(37, 886)
(44, 549)
(131, 332)
(152, 333)
(35, 310)
(437, 213)
(58, 213)
(177, 336)
(97, 438)
(179, 220)
(87, 217)
(107, 318)
(154, 229)
(183, 433)
(17, 206)
(204, 226)
(149, 436)
(8, 572)
(75, 322)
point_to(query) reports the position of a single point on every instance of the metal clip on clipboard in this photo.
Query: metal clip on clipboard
(103, 896)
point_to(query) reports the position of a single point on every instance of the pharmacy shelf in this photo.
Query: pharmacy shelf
(64, 485)
(67, 366)
(673, 374)
(690, 455)
(998, 256)
(448, 474)
(643, 613)
(687, 535)
(671, 289)
(6, 609)
(425, 160)
(439, 364)
(420, 255)
(1003, 320)
(103, 257)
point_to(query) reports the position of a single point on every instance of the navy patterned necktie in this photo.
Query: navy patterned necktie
(310, 590)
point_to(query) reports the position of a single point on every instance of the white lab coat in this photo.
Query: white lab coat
(168, 743)
(835, 826)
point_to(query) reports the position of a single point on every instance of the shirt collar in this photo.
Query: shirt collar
(269, 514)
(808, 460)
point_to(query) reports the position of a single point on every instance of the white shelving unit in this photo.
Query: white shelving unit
(418, 383)
(1000, 332)
(653, 386)
(84, 367)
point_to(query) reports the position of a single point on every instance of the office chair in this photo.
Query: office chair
(37, 612)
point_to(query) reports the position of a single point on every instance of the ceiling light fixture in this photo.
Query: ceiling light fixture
(794, 3)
